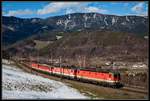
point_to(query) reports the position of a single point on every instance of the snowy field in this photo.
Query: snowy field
(17, 84)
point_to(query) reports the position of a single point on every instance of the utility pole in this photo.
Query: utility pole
(38, 58)
(79, 61)
(51, 58)
(60, 67)
(60, 61)
(84, 64)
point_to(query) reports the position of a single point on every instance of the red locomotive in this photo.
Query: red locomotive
(105, 78)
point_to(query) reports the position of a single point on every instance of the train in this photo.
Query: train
(101, 77)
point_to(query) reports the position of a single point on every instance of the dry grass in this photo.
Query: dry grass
(40, 44)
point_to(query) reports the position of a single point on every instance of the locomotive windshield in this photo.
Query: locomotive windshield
(117, 75)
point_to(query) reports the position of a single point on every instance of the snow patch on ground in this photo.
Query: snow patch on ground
(123, 23)
(59, 22)
(17, 84)
(94, 16)
(113, 20)
(66, 23)
(45, 27)
(5, 61)
(105, 21)
(127, 18)
(58, 37)
(11, 28)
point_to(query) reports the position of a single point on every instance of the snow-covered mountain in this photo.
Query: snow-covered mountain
(14, 29)
(96, 21)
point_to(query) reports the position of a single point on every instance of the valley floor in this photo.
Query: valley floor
(18, 84)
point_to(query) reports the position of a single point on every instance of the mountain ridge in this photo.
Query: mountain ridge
(15, 29)
(96, 34)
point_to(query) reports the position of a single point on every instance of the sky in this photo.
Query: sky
(44, 9)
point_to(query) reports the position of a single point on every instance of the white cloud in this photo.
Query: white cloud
(3, 13)
(69, 11)
(68, 7)
(146, 7)
(144, 14)
(19, 12)
(56, 7)
(135, 14)
(95, 9)
(138, 8)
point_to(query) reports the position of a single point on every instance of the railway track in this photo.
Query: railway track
(133, 89)
(125, 88)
